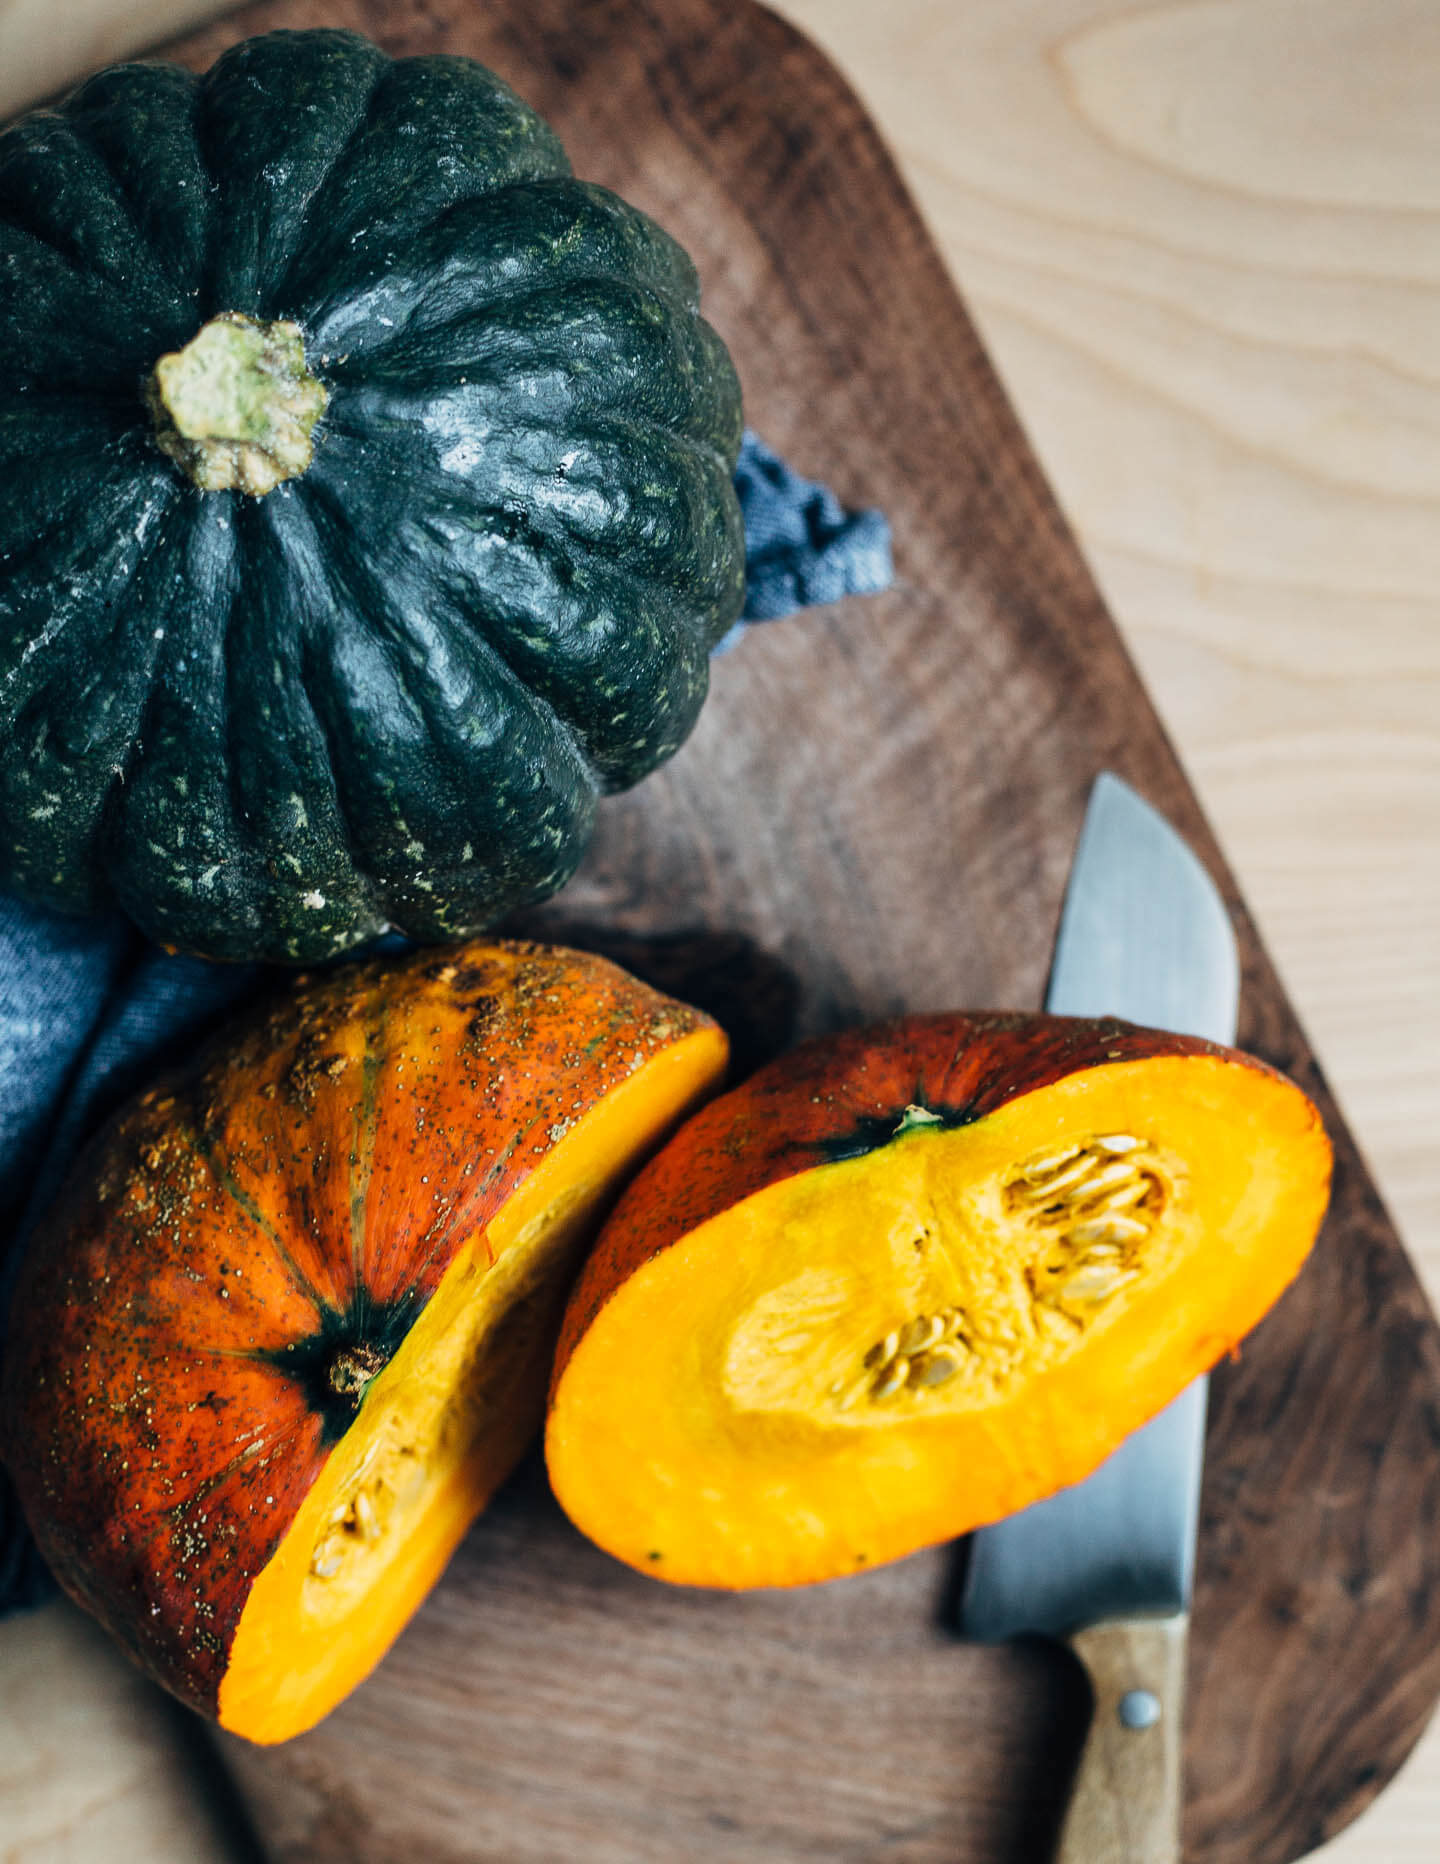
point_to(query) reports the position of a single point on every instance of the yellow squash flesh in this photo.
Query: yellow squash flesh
(883, 1352)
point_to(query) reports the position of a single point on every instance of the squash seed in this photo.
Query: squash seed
(1127, 1194)
(884, 1350)
(1097, 1283)
(1053, 1187)
(1107, 1178)
(1108, 1229)
(366, 1519)
(934, 1368)
(1119, 1143)
(327, 1559)
(892, 1377)
(1047, 1162)
(921, 1332)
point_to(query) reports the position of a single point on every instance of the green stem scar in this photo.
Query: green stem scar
(236, 407)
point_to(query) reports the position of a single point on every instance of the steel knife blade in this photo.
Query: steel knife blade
(1107, 1565)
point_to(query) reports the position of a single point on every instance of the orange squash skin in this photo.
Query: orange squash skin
(300, 1187)
(836, 1097)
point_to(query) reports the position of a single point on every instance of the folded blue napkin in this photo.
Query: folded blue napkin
(89, 1010)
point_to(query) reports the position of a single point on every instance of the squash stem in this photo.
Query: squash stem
(352, 1369)
(236, 408)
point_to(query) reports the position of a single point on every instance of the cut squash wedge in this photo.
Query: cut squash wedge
(909, 1280)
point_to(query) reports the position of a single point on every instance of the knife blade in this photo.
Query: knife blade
(1107, 1565)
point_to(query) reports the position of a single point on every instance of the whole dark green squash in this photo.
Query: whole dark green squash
(365, 499)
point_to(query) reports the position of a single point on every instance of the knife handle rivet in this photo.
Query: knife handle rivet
(1139, 1708)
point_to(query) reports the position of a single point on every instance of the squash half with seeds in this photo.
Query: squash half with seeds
(291, 1322)
(908, 1280)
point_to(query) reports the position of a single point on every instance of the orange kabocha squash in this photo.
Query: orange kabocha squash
(292, 1320)
(908, 1280)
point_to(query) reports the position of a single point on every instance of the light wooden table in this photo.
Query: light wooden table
(1202, 239)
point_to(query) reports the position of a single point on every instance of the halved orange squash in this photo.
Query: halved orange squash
(291, 1322)
(908, 1280)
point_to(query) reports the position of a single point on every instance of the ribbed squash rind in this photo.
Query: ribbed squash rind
(389, 691)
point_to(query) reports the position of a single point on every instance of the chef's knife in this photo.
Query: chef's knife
(1107, 1565)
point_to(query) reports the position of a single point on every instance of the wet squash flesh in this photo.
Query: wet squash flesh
(902, 1285)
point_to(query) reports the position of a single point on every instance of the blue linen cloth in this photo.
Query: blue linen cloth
(89, 1010)
(802, 547)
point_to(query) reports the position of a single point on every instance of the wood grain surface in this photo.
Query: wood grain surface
(965, 712)
(1202, 244)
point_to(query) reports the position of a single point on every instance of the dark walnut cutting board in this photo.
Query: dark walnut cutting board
(876, 814)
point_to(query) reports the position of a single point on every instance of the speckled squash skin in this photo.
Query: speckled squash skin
(838, 1097)
(298, 1191)
(389, 690)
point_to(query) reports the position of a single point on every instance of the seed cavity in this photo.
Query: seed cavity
(1094, 1203)
(353, 1524)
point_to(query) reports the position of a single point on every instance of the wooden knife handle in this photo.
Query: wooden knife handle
(1125, 1807)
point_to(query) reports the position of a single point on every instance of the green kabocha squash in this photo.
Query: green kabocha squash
(365, 499)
